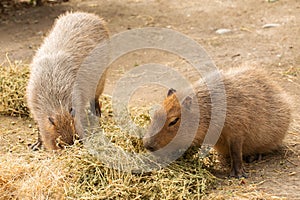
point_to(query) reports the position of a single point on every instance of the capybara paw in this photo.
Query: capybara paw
(238, 174)
(35, 146)
(98, 112)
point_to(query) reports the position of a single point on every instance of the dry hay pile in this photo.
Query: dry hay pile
(74, 173)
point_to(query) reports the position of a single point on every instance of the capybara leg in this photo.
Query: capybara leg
(37, 145)
(39, 2)
(236, 156)
(96, 107)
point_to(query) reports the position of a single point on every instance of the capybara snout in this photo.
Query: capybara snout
(60, 131)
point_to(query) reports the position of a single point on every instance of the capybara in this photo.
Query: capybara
(53, 73)
(257, 118)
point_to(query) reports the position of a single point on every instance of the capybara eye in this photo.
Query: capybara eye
(51, 120)
(171, 91)
(172, 123)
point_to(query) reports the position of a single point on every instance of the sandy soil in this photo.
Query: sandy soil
(277, 49)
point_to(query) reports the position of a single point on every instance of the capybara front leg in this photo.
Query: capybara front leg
(236, 159)
(37, 145)
(96, 107)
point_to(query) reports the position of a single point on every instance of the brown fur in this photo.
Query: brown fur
(257, 117)
(53, 73)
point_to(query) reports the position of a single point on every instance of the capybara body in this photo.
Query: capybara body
(257, 116)
(53, 73)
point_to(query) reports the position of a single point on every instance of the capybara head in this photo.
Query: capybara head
(59, 130)
(166, 122)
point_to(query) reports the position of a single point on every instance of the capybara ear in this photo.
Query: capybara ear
(171, 91)
(72, 112)
(51, 120)
(187, 102)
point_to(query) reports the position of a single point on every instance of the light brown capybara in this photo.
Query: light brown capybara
(257, 118)
(53, 73)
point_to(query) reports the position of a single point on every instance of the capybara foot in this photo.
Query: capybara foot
(238, 174)
(35, 146)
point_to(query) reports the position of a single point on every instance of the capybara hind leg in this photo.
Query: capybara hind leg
(236, 156)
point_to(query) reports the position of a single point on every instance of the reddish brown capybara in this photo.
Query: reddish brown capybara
(257, 118)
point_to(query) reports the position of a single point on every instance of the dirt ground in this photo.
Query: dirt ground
(276, 49)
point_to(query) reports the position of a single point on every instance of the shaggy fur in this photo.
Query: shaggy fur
(257, 116)
(53, 73)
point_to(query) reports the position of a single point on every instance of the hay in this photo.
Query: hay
(74, 173)
(180, 180)
(13, 82)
